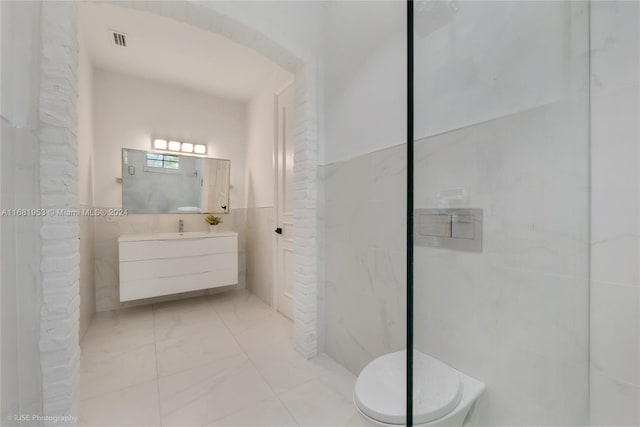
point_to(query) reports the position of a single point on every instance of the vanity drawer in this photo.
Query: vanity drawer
(175, 267)
(157, 286)
(151, 268)
(172, 248)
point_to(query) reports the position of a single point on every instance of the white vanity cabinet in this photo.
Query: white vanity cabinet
(158, 264)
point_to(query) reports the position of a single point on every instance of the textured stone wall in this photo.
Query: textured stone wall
(60, 257)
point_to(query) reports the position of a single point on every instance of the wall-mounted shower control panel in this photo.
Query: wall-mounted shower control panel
(449, 228)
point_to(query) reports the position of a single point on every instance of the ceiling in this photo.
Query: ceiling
(168, 51)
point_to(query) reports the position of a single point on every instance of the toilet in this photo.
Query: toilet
(443, 396)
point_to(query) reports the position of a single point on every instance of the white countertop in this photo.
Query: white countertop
(174, 236)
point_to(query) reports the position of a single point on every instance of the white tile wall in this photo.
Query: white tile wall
(613, 403)
(615, 331)
(615, 213)
(364, 257)
(516, 315)
(510, 79)
(21, 292)
(20, 243)
(490, 59)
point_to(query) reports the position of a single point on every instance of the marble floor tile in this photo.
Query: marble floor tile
(190, 316)
(203, 394)
(358, 420)
(240, 310)
(319, 403)
(269, 345)
(189, 351)
(192, 303)
(127, 318)
(134, 406)
(105, 372)
(120, 330)
(273, 330)
(268, 413)
(118, 342)
(335, 375)
(223, 360)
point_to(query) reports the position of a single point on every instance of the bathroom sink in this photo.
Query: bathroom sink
(174, 236)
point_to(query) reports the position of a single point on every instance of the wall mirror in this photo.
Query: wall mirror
(156, 182)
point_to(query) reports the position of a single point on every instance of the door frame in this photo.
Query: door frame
(59, 18)
(276, 207)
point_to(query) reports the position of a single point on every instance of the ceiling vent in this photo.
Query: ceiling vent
(119, 38)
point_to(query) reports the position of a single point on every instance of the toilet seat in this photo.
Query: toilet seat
(380, 389)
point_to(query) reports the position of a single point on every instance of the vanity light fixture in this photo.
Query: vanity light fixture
(185, 147)
(174, 145)
(160, 144)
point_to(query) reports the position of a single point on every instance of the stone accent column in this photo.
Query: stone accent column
(58, 170)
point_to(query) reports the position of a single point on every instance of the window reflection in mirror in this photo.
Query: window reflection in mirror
(156, 182)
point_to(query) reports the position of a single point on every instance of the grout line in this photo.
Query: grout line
(119, 353)
(213, 306)
(238, 411)
(276, 395)
(120, 390)
(235, 310)
(265, 380)
(244, 352)
(155, 353)
(606, 375)
(201, 364)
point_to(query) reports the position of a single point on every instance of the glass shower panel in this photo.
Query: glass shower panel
(501, 212)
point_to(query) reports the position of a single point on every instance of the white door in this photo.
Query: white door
(284, 201)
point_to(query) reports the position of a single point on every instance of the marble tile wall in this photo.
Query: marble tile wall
(20, 246)
(514, 316)
(615, 213)
(364, 293)
(503, 103)
(107, 230)
(487, 59)
(259, 252)
(21, 290)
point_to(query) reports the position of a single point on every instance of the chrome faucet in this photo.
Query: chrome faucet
(180, 226)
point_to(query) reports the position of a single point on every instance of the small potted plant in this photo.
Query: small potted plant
(213, 222)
